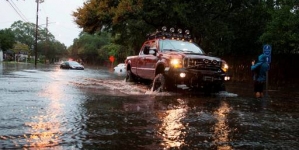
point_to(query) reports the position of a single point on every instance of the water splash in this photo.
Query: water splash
(226, 94)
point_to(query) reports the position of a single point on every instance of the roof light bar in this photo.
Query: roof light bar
(171, 34)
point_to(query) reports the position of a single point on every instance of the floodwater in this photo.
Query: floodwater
(50, 108)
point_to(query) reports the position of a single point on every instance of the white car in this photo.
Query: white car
(120, 68)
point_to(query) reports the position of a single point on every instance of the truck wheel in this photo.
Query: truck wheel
(159, 83)
(130, 76)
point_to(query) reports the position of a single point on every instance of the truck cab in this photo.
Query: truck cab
(170, 59)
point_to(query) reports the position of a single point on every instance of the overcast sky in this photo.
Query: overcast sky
(59, 13)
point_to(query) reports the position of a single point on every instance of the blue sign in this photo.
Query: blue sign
(267, 51)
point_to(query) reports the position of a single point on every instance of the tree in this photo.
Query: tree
(86, 47)
(48, 46)
(24, 32)
(282, 32)
(112, 50)
(214, 24)
(7, 39)
(19, 47)
(247, 24)
(52, 51)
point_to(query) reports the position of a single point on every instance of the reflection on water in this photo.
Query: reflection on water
(195, 124)
(172, 129)
(45, 129)
(221, 128)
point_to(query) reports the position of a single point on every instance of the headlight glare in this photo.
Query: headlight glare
(227, 78)
(176, 63)
(182, 75)
(224, 66)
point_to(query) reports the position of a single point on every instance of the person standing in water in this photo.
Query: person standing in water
(260, 70)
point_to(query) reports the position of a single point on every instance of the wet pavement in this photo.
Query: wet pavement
(50, 108)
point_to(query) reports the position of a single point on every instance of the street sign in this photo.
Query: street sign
(111, 58)
(267, 51)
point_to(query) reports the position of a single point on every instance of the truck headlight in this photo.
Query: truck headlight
(227, 78)
(176, 63)
(224, 66)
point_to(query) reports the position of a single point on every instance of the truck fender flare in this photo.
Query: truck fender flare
(128, 64)
(160, 68)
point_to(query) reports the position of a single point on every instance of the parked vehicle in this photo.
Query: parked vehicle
(170, 58)
(120, 68)
(71, 65)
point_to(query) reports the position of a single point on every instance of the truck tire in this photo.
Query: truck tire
(130, 76)
(159, 83)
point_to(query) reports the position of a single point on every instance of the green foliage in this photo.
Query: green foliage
(214, 24)
(111, 50)
(87, 47)
(19, 47)
(247, 25)
(282, 32)
(223, 27)
(24, 32)
(7, 39)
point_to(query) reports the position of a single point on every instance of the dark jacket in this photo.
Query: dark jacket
(260, 69)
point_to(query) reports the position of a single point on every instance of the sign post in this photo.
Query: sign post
(111, 58)
(267, 51)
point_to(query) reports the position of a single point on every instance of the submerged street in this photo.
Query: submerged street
(95, 108)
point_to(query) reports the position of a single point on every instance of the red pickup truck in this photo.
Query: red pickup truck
(170, 58)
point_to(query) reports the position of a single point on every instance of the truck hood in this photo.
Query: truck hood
(176, 55)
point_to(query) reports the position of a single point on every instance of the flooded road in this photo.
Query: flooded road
(50, 108)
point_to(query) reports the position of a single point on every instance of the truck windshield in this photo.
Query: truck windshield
(179, 46)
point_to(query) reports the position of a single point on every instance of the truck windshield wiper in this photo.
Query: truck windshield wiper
(192, 52)
(175, 50)
(179, 50)
(188, 51)
(169, 50)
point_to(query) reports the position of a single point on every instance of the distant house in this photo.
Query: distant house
(21, 56)
(8, 55)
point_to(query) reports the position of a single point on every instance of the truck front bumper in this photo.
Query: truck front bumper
(195, 77)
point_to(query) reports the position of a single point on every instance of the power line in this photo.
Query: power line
(20, 11)
(17, 10)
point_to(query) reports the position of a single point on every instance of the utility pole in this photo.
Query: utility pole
(36, 29)
(46, 50)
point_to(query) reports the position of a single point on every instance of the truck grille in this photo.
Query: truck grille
(201, 63)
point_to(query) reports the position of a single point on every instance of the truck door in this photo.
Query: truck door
(152, 60)
(146, 65)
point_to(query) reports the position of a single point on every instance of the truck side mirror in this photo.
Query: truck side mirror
(153, 52)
